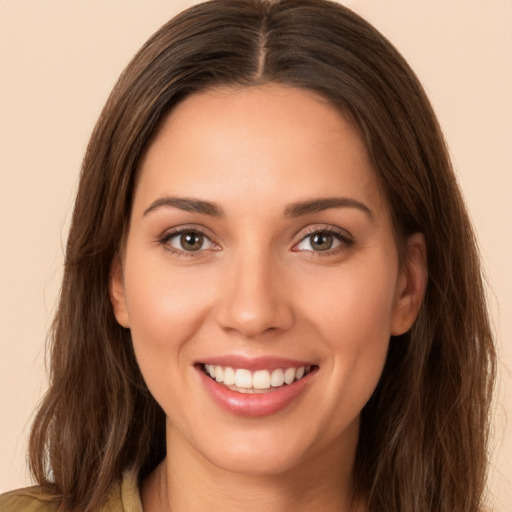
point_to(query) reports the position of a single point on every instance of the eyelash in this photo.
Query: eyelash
(345, 240)
(168, 236)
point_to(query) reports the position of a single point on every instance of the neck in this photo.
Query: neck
(187, 482)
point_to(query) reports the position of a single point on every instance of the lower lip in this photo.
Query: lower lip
(255, 404)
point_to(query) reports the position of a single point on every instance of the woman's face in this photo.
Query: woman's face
(260, 250)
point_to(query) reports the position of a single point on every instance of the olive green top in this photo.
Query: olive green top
(124, 497)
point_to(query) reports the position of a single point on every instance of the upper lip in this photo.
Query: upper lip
(254, 363)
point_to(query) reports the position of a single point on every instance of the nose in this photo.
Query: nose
(255, 299)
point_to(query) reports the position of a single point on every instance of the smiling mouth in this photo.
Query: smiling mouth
(260, 381)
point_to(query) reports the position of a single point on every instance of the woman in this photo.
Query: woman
(272, 296)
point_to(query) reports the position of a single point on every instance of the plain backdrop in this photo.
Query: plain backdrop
(58, 62)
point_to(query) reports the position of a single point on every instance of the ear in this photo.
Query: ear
(117, 293)
(411, 285)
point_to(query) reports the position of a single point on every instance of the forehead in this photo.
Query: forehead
(269, 141)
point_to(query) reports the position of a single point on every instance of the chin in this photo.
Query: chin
(245, 460)
(276, 449)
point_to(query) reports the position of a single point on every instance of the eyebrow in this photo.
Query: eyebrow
(186, 204)
(292, 210)
(317, 205)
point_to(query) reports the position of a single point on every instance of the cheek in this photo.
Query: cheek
(165, 308)
(353, 318)
(353, 305)
(160, 299)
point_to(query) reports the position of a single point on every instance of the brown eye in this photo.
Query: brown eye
(191, 241)
(321, 241)
(188, 241)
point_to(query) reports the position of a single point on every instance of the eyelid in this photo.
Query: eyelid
(170, 233)
(343, 236)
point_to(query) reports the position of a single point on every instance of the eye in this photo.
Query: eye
(188, 241)
(322, 241)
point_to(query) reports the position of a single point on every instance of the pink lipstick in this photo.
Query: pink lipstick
(255, 387)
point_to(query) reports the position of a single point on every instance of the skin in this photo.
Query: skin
(259, 287)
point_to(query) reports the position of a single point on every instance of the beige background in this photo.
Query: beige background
(58, 61)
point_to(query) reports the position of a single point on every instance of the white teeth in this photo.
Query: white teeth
(244, 381)
(289, 375)
(261, 379)
(277, 378)
(229, 376)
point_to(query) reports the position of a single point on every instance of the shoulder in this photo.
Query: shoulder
(124, 497)
(30, 499)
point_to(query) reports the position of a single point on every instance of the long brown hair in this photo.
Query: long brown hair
(423, 438)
